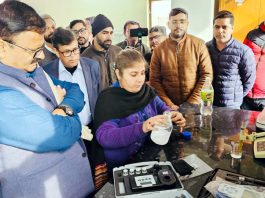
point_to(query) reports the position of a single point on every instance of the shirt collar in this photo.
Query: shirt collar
(62, 68)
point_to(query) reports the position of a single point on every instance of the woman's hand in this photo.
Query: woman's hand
(149, 124)
(178, 119)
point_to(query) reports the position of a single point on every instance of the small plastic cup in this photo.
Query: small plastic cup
(236, 151)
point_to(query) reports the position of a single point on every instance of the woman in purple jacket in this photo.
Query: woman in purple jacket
(127, 112)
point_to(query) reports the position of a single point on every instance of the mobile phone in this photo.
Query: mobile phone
(182, 167)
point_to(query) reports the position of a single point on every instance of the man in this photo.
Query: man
(89, 20)
(102, 49)
(41, 153)
(233, 63)
(157, 35)
(180, 65)
(70, 67)
(255, 99)
(83, 33)
(132, 41)
(48, 50)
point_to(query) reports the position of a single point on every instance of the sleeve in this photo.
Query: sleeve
(257, 50)
(25, 125)
(161, 105)
(156, 78)
(111, 136)
(74, 97)
(205, 70)
(247, 70)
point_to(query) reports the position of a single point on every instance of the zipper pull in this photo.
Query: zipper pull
(177, 48)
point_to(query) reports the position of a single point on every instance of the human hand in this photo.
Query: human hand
(59, 112)
(61, 92)
(174, 107)
(178, 118)
(150, 124)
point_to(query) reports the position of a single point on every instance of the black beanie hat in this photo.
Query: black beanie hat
(100, 22)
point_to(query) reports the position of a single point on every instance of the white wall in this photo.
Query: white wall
(118, 11)
(201, 14)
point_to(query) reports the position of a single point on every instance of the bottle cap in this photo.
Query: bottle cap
(186, 135)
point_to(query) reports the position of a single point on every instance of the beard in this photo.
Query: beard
(104, 44)
(177, 35)
(82, 41)
(48, 38)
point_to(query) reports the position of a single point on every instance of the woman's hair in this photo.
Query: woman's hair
(126, 57)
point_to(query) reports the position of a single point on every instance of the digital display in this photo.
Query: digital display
(261, 146)
(145, 180)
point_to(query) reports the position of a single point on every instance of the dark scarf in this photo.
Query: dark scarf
(112, 103)
(116, 103)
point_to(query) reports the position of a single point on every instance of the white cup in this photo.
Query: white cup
(161, 134)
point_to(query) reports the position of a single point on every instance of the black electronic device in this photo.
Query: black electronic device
(138, 32)
(182, 167)
(147, 179)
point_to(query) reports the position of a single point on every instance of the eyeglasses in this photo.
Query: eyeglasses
(68, 53)
(81, 31)
(155, 37)
(179, 22)
(35, 53)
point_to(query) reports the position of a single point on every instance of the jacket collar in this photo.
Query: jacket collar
(262, 26)
(97, 51)
(227, 44)
(178, 42)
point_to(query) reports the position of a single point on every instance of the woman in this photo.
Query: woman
(127, 112)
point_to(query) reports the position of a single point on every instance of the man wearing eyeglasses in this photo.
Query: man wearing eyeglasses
(157, 35)
(180, 64)
(40, 148)
(83, 33)
(70, 67)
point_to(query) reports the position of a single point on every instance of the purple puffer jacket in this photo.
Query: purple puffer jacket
(121, 138)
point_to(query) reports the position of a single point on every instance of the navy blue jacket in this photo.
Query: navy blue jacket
(92, 77)
(234, 70)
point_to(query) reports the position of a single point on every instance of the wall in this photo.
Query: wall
(253, 14)
(201, 14)
(118, 11)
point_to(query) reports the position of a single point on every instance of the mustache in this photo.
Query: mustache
(178, 29)
(107, 41)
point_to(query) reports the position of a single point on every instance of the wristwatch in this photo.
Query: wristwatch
(68, 110)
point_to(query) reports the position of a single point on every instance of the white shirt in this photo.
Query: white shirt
(77, 77)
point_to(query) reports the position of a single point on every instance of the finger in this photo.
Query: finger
(63, 91)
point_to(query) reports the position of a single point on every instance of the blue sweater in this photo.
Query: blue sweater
(234, 71)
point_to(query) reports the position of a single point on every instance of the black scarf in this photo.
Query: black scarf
(116, 103)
